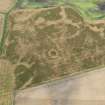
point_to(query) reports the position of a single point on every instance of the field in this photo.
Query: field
(45, 44)
(75, 90)
(6, 68)
(44, 41)
(43, 48)
(5, 5)
(6, 82)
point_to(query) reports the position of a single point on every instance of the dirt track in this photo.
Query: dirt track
(85, 89)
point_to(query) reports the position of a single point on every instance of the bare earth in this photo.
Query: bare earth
(6, 4)
(84, 89)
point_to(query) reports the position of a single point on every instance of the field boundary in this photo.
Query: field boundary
(64, 77)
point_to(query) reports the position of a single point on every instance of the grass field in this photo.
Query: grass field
(89, 8)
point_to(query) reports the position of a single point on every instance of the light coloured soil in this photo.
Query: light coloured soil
(84, 89)
(38, 96)
(5, 5)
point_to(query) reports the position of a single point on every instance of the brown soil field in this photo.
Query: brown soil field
(5, 5)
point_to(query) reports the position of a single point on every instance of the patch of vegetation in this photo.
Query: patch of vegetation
(72, 14)
(73, 28)
(38, 3)
(50, 14)
(22, 74)
(42, 72)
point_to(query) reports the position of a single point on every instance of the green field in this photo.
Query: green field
(88, 8)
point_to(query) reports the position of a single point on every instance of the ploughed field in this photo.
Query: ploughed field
(49, 43)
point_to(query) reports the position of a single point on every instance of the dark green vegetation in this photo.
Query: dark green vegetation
(43, 47)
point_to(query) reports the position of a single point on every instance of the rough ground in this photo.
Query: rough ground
(49, 43)
(6, 82)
